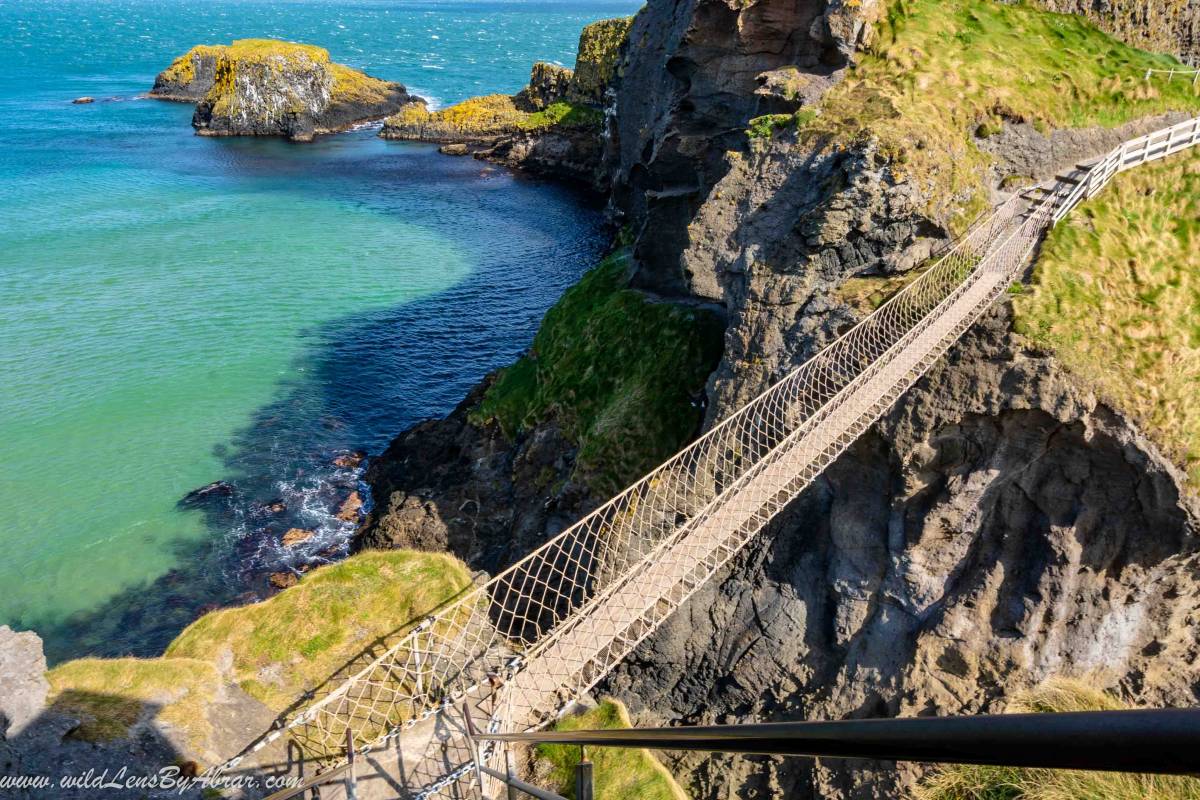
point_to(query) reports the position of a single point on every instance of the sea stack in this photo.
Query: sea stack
(265, 87)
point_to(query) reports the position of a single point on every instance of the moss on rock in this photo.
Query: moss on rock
(275, 650)
(621, 373)
(481, 118)
(288, 644)
(596, 60)
(112, 696)
(271, 87)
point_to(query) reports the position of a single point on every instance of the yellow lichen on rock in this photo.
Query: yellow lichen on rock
(183, 69)
(596, 61)
(475, 118)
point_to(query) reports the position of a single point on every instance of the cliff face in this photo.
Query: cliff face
(263, 87)
(690, 80)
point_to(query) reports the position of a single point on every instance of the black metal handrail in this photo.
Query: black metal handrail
(1160, 741)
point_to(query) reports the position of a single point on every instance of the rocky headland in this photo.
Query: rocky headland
(551, 127)
(265, 87)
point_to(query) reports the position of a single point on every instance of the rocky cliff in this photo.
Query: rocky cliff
(551, 127)
(1001, 525)
(264, 87)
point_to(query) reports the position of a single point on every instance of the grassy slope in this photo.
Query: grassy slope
(1116, 295)
(280, 647)
(618, 774)
(620, 374)
(941, 70)
(966, 782)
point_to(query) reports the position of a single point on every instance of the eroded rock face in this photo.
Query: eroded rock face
(190, 76)
(548, 83)
(263, 87)
(685, 90)
(997, 528)
(23, 685)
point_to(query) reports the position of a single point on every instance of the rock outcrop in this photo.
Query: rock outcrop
(190, 76)
(551, 127)
(264, 87)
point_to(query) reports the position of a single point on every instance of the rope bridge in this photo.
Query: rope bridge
(537, 635)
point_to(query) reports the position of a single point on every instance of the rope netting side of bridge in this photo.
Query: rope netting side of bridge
(546, 629)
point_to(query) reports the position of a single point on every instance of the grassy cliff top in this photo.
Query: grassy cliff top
(296, 639)
(110, 696)
(941, 70)
(1115, 294)
(617, 773)
(274, 650)
(621, 374)
(968, 782)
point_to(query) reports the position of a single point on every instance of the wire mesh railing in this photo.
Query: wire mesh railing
(547, 628)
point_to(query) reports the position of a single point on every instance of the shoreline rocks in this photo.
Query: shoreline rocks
(265, 87)
(294, 536)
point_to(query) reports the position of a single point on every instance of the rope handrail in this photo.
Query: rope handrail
(550, 625)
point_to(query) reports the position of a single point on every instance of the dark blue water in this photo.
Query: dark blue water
(179, 310)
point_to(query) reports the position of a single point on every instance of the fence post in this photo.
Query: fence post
(508, 771)
(583, 777)
(351, 781)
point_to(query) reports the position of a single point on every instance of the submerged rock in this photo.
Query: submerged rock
(265, 87)
(295, 536)
(206, 494)
(348, 511)
(349, 460)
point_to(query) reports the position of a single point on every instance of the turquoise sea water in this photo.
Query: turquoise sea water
(176, 310)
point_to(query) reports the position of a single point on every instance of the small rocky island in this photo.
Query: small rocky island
(265, 87)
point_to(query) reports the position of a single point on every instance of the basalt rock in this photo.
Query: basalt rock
(548, 84)
(190, 77)
(263, 87)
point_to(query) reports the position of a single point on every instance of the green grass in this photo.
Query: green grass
(110, 695)
(618, 774)
(967, 782)
(620, 373)
(275, 650)
(941, 70)
(1115, 294)
(565, 115)
(291, 642)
